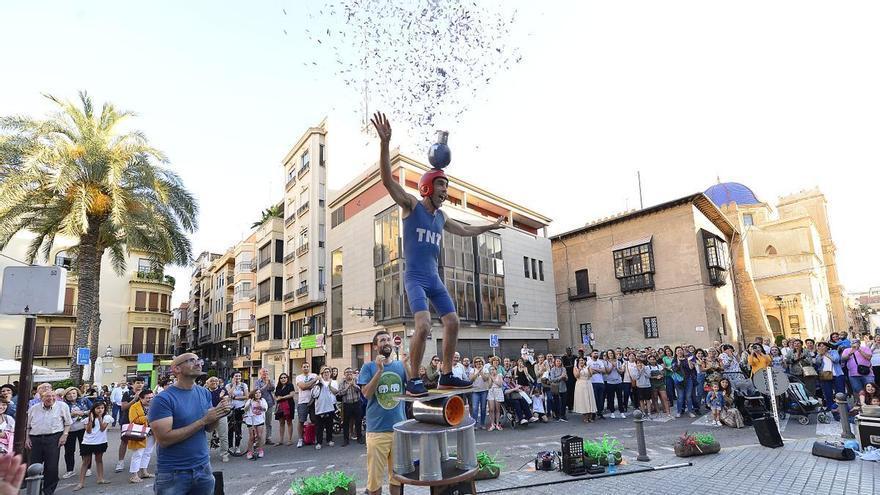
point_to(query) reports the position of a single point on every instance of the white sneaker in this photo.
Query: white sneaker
(524, 421)
(120, 467)
(225, 457)
(692, 415)
(69, 474)
(318, 447)
(678, 415)
(622, 415)
(330, 443)
(88, 472)
(299, 443)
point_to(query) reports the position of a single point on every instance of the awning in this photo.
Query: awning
(634, 242)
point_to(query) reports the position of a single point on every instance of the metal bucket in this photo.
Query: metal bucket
(466, 448)
(430, 466)
(448, 411)
(403, 461)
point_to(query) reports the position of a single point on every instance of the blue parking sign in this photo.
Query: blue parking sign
(493, 340)
(82, 356)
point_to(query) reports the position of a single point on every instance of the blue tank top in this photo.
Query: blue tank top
(422, 233)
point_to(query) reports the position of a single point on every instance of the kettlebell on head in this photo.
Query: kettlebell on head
(439, 154)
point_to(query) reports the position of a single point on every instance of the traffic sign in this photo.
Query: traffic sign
(493, 340)
(397, 341)
(145, 358)
(82, 356)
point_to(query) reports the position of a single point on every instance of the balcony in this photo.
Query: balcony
(230, 278)
(289, 295)
(206, 316)
(263, 299)
(228, 307)
(303, 290)
(265, 261)
(128, 350)
(717, 276)
(289, 256)
(302, 209)
(289, 219)
(302, 170)
(244, 266)
(229, 333)
(302, 249)
(290, 182)
(253, 267)
(632, 283)
(154, 277)
(243, 325)
(69, 311)
(205, 338)
(243, 295)
(62, 350)
(574, 294)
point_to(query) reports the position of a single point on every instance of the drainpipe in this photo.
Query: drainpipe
(570, 308)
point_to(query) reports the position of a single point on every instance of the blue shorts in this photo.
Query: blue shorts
(420, 287)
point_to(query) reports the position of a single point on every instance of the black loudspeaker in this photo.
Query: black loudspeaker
(833, 451)
(768, 433)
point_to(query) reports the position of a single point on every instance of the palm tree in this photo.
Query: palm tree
(78, 174)
(270, 212)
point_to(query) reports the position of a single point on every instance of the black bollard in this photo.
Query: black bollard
(843, 408)
(639, 420)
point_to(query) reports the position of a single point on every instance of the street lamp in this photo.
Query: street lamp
(108, 352)
(361, 312)
(515, 308)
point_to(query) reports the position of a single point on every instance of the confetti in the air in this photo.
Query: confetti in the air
(422, 62)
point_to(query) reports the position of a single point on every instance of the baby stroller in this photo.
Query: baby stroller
(509, 414)
(799, 403)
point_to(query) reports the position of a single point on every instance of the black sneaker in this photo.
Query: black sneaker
(449, 382)
(415, 388)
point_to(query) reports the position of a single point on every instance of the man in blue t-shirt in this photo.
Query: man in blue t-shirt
(179, 417)
(382, 381)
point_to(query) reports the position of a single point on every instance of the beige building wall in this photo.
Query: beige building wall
(687, 307)
(119, 316)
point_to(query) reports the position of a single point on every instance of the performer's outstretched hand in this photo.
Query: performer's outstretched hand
(499, 223)
(383, 127)
(11, 474)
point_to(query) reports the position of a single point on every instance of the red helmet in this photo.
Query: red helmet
(426, 183)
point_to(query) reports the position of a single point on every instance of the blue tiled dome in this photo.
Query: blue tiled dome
(725, 192)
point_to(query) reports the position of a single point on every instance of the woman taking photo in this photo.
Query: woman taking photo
(657, 374)
(79, 413)
(614, 384)
(325, 407)
(684, 375)
(584, 398)
(284, 411)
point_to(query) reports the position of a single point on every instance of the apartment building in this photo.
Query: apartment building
(135, 315)
(179, 328)
(244, 307)
(200, 297)
(655, 276)
(305, 253)
(270, 339)
(502, 282)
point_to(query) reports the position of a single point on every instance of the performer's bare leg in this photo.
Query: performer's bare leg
(417, 343)
(450, 340)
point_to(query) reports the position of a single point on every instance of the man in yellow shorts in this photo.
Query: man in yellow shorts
(382, 381)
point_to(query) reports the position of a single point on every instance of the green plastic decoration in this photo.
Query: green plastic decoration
(324, 484)
(488, 463)
(600, 450)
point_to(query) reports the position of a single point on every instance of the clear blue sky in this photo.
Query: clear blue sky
(781, 96)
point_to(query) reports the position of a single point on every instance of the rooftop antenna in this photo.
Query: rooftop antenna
(639, 178)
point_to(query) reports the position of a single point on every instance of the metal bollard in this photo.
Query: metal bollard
(843, 409)
(639, 420)
(403, 462)
(33, 481)
(430, 467)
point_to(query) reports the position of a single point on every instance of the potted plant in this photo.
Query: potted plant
(329, 483)
(597, 452)
(696, 444)
(490, 466)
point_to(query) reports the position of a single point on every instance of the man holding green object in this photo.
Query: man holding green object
(382, 381)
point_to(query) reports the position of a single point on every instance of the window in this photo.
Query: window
(336, 291)
(534, 269)
(770, 251)
(279, 251)
(145, 265)
(794, 323)
(303, 239)
(493, 307)
(321, 280)
(388, 302)
(586, 330)
(278, 327)
(748, 219)
(634, 267)
(263, 329)
(263, 291)
(386, 235)
(304, 161)
(489, 252)
(265, 254)
(336, 346)
(63, 260)
(278, 293)
(540, 270)
(321, 157)
(153, 302)
(716, 258)
(650, 326)
(526, 266)
(291, 176)
(337, 216)
(322, 234)
(164, 303)
(461, 286)
(582, 283)
(140, 301)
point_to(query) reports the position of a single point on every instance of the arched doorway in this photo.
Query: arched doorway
(775, 326)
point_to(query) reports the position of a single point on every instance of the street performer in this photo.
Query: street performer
(423, 224)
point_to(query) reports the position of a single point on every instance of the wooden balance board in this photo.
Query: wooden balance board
(435, 394)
